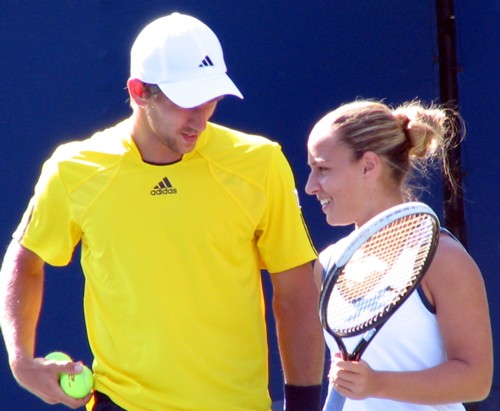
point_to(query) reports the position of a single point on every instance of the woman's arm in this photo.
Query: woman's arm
(455, 286)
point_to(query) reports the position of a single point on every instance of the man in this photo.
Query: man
(176, 217)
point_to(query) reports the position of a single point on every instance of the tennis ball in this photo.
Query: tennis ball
(77, 385)
(74, 385)
(58, 356)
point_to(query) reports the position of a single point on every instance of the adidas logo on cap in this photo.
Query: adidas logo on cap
(163, 187)
(206, 62)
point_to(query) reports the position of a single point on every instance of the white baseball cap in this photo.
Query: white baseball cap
(184, 58)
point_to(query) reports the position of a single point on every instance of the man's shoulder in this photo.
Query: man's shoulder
(79, 160)
(224, 145)
(105, 143)
(230, 137)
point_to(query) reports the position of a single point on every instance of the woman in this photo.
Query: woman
(434, 353)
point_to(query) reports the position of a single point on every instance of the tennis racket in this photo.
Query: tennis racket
(383, 262)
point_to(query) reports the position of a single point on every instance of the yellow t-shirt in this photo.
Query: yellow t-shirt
(172, 257)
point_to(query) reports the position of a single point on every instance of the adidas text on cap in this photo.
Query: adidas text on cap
(184, 58)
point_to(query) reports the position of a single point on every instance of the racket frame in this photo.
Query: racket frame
(360, 236)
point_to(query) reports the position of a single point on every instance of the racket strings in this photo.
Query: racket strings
(379, 274)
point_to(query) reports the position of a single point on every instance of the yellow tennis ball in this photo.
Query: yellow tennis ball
(74, 385)
(77, 385)
(58, 356)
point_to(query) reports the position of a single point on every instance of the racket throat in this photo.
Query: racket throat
(367, 336)
(365, 339)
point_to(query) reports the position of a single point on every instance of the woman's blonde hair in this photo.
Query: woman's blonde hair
(408, 138)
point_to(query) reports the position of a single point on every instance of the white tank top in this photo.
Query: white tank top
(409, 341)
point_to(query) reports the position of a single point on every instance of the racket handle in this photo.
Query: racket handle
(334, 401)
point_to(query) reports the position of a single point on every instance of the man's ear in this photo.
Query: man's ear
(137, 91)
(371, 164)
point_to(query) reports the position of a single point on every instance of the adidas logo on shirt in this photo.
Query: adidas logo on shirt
(163, 187)
(206, 62)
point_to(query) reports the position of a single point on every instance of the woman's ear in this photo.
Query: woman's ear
(371, 164)
(136, 90)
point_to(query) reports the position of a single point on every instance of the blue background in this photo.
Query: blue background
(64, 66)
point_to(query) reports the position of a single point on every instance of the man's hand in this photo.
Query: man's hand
(41, 377)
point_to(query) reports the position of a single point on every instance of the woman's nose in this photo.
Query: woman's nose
(311, 185)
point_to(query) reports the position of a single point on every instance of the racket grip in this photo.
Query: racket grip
(334, 401)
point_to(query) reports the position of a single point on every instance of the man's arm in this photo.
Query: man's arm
(21, 291)
(300, 335)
